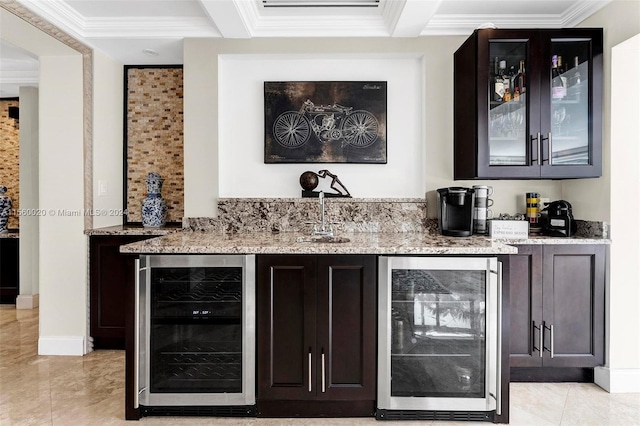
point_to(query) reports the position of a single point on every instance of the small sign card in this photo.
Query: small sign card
(509, 229)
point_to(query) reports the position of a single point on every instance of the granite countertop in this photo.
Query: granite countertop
(11, 233)
(133, 230)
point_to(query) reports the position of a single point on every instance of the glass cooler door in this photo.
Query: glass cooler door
(441, 330)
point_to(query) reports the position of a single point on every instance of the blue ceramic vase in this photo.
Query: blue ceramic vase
(5, 209)
(154, 207)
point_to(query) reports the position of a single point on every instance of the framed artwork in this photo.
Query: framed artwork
(325, 122)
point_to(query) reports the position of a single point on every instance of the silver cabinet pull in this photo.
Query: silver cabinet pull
(309, 369)
(550, 349)
(537, 139)
(136, 338)
(540, 337)
(323, 373)
(550, 154)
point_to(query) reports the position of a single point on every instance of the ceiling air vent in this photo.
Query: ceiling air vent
(321, 3)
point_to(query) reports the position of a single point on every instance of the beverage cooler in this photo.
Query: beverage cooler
(439, 338)
(195, 343)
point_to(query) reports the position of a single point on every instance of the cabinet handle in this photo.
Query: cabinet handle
(550, 161)
(136, 341)
(323, 373)
(550, 349)
(537, 139)
(309, 369)
(540, 336)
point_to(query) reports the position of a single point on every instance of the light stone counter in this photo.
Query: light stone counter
(132, 230)
(414, 243)
(12, 233)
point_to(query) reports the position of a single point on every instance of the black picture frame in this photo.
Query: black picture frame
(325, 122)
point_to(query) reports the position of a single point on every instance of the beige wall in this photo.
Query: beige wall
(620, 20)
(202, 131)
(107, 140)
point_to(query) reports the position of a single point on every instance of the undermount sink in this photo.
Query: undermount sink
(323, 239)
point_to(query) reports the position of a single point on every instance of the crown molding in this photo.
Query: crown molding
(164, 27)
(20, 77)
(580, 11)
(58, 13)
(466, 24)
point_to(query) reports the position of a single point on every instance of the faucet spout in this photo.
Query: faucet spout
(324, 230)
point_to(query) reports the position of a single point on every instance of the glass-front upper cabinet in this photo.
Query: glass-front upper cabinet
(527, 104)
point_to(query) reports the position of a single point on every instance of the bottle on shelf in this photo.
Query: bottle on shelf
(521, 79)
(575, 79)
(516, 94)
(557, 88)
(498, 81)
(563, 78)
(507, 95)
(505, 75)
(512, 78)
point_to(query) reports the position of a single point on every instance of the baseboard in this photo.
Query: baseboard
(618, 380)
(27, 301)
(61, 345)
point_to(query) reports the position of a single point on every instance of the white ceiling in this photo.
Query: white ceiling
(125, 29)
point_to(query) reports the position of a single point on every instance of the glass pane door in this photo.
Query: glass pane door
(196, 330)
(569, 114)
(508, 106)
(438, 325)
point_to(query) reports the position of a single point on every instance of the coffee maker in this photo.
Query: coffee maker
(455, 211)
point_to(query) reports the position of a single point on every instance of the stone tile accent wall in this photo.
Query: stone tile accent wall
(294, 214)
(10, 156)
(155, 137)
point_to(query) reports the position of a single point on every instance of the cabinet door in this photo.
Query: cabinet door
(507, 124)
(286, 316)
(526, 306)
(573, 305)
(570, 103)
(9, 270)
(111, 273)
(346, 327)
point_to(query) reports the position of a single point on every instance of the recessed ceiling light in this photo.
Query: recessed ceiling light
(150, 52)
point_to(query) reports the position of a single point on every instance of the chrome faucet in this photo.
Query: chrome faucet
(324, 229)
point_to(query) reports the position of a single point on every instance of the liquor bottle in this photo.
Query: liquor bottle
(505, 76)
(521, 79)
(556, 82)
(562, 70)
(507, 95)
(498, 81)
(516, 94)
(575, 79)
(512, 78)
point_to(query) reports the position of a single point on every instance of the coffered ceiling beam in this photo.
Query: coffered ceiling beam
(227, 18)
(414, 17)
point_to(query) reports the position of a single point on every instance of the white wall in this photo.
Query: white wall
(207, 135)
(241, 140)
(108, 110)
(63, 247)
(623, 355)
(29, 199)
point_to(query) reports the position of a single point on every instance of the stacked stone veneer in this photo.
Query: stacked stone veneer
(294, 215)
(10, 157)
(155, 137)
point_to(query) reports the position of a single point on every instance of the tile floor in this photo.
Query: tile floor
(89, 390)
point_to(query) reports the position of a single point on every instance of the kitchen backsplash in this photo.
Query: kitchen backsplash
(351, 215)
(295, 214)
(155, 137)
(10, 154)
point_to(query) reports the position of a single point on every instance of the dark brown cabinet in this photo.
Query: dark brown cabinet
(110, 275)
(316, 335)
(9, 270)
(552, 128)
(557, 312)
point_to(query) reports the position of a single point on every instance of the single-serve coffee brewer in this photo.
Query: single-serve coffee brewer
(481, 210)
(455, 211)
